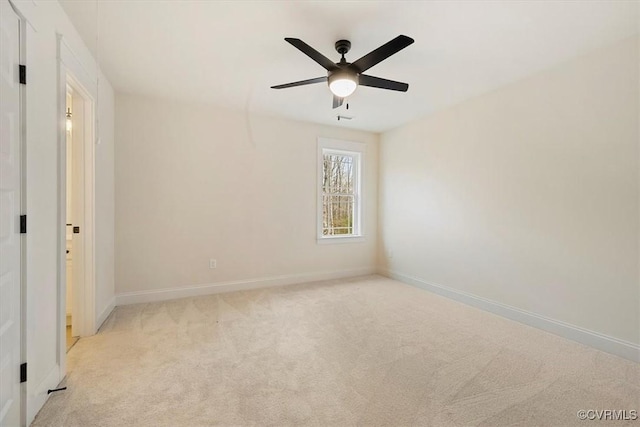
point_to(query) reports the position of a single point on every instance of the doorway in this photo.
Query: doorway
(71, 335)
(77, 205)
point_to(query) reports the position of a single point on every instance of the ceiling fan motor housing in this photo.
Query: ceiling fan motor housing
(342, 71)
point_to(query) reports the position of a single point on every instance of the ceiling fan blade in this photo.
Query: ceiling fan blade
(380, 54)
(378, 82)
(300, 83)
(337, 101)
(312, 53)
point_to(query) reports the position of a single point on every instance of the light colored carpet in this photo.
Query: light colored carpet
(366, 351)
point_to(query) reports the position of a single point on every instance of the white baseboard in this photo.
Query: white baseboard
(105, 313)
(612, 345)
(238, 285)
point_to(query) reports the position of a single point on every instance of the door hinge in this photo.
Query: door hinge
(23, 74)
(23, 373)
(23, 224)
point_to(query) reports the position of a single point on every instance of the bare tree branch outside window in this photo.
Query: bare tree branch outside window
(338, 194)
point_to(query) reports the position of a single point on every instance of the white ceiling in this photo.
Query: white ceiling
(229, 53)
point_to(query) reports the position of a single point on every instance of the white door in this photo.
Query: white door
(9, 216)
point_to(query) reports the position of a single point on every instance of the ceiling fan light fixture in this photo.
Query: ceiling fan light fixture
(342, 85)
(344, 77)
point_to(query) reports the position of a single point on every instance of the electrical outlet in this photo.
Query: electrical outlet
(213, 263)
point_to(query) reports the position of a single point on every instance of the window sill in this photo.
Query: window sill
(340, 239)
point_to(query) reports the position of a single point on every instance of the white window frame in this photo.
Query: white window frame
(357, 150)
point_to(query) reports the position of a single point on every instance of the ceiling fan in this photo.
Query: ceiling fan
(344, 77)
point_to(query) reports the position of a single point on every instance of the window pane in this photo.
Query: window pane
(338, 174)
(337, 215)
(338, 194)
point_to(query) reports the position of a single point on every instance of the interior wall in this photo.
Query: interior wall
(46, 21)
(195, 182)
(526, 196)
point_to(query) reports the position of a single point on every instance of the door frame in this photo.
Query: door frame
(71, 71)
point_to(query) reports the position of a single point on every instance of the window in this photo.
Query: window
(339, 196)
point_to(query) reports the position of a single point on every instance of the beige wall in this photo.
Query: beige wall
(195, 182)
(526, 196)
